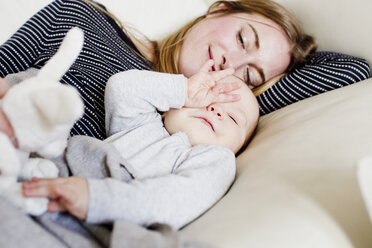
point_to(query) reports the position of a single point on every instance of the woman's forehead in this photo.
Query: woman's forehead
(253, 18)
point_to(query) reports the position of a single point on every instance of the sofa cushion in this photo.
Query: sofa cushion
(296, 184)
(155, 19)
(338, 25)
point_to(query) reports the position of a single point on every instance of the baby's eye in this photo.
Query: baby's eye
(232, 118)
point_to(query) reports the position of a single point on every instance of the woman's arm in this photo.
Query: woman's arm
(324, 71)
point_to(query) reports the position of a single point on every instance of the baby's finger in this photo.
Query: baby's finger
(226, 87)
(207, 65)
(218, 75)
(42, 182)
(41, 191)
(228, 98)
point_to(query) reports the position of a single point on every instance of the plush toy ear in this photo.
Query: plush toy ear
(58, 105)
(68, 51)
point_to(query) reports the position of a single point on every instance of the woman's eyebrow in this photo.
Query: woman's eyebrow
(257, 45)
(256, 38)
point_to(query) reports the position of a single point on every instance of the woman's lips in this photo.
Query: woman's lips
(213, 68)
(206, 121)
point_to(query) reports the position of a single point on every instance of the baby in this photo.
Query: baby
(179, 163)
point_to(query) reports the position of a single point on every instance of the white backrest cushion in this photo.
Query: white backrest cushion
(338, 25)
(15, 12)
(154, 18)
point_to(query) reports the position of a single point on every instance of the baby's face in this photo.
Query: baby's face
(224, 124)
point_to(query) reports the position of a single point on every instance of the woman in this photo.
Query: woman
(260, 39)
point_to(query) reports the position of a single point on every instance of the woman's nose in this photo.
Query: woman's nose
(217, 110)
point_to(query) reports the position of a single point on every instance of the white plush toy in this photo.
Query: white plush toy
(41, 111)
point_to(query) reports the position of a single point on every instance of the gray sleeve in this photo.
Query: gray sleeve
(174, 199)
(133, 97)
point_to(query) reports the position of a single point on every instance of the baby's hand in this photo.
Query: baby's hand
(65, 194)
(203, 89)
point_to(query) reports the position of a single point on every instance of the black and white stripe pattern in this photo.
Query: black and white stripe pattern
(324, 71)
(108, 51)
(105, 53)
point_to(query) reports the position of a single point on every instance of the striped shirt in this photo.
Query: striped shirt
(323, 71)
(108, 51)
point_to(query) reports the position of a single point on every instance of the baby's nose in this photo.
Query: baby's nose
(216, 109)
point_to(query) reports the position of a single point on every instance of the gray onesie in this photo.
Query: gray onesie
(173, 182)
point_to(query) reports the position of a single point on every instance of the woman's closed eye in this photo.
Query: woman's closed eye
(243, 43)
(242, 40)
(247, 78)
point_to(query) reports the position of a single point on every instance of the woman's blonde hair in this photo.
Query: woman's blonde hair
(168, 50)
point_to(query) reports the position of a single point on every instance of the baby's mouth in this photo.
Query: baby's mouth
(206, 122)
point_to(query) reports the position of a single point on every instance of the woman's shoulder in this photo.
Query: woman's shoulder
(76, 11)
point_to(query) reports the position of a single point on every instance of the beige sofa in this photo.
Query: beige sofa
(296, 184)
